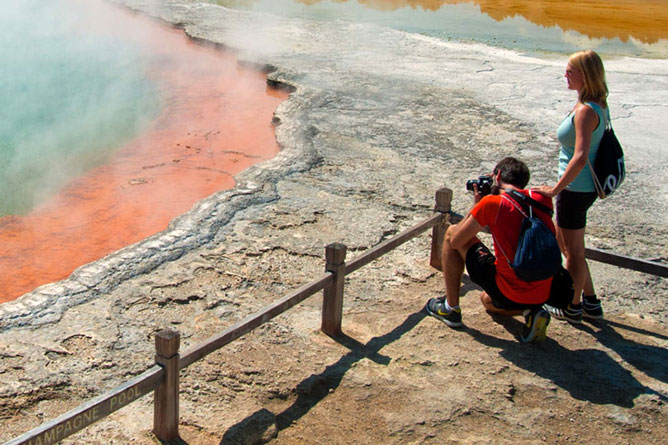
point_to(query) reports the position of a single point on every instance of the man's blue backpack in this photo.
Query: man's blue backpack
(537, 256)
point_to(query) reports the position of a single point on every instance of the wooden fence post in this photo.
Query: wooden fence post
(332, 305)
(443, 203)
(166, 396)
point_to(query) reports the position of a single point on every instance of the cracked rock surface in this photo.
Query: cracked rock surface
(369, 133)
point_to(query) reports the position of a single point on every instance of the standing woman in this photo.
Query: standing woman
(579, 134)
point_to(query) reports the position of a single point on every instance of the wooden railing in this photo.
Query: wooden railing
(603, 256)
(163, 377)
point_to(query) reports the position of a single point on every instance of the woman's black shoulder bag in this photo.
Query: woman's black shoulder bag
(608, 170)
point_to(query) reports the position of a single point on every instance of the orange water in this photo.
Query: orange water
(216, 122)
(644, 20)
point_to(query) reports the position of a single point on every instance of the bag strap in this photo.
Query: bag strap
(527, 201)
(495, 241)
(596, 107)
(609, 124)
(503, 252)
(515, 204)
(597, 184)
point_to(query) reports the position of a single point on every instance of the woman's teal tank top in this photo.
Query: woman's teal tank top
(566, 135)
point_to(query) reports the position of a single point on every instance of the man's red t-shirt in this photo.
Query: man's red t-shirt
(504, 221)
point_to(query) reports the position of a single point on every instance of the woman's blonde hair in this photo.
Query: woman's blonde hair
(593, 74)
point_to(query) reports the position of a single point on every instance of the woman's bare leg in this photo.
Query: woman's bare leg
(573, 246)
(589, 283)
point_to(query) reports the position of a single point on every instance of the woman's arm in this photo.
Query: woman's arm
(586, 121)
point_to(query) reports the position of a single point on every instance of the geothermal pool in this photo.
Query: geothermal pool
(118, 125)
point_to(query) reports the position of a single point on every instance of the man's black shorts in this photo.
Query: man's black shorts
(482, 271)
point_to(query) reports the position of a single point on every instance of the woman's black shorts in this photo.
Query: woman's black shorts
(572, 209)
(482, 271)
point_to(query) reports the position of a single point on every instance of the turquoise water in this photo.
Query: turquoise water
(69, 99)
(461, 22)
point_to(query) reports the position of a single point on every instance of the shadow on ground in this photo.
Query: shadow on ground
(651, 360)
(600, 379)
(316, 387)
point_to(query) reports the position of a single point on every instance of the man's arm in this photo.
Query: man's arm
(465, 232)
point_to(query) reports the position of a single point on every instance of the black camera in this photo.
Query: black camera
(484, 185)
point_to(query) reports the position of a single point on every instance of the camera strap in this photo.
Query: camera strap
(526, 202)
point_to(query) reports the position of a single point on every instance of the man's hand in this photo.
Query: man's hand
(476, 196)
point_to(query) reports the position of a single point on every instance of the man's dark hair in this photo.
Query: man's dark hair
(513, 171)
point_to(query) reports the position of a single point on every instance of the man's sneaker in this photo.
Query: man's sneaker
(591, 307)
(535, 327)
(572, 313)
(436, 308)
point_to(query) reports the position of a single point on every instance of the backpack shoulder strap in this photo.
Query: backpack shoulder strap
(607, 112)
(522, 209)
(519, 208)
(528, 202)
(597, 184)
(601, 114)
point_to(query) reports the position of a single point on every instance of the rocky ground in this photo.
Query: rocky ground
(363, 153)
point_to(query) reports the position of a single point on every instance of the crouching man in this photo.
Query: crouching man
(503, 292)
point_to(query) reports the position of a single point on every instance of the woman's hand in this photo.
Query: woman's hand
(545, 190)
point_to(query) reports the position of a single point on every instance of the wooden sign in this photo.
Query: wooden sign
(92, 411)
